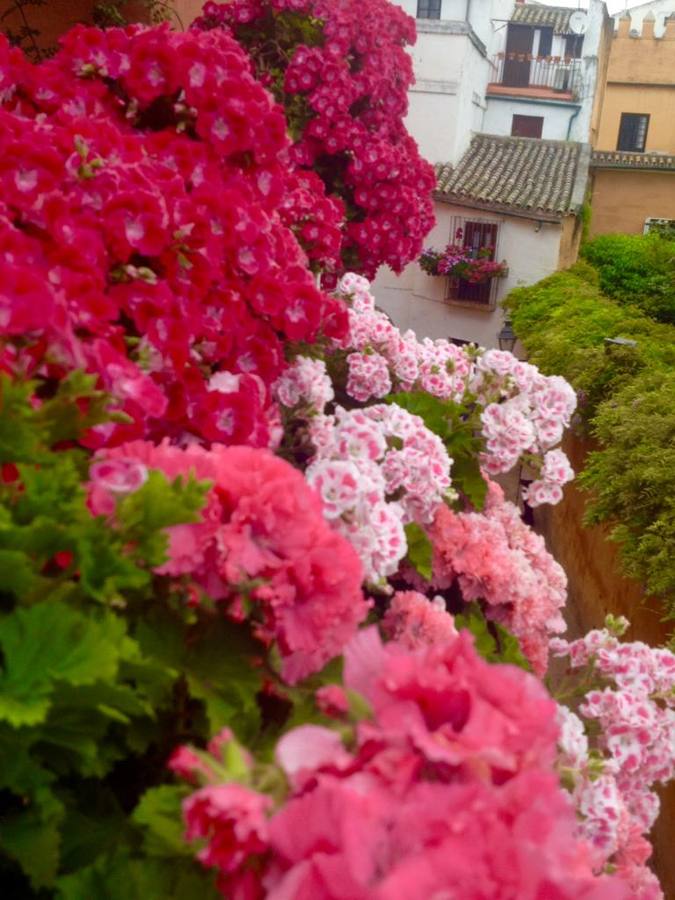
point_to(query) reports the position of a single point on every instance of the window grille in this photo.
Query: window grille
(633, 132)
(474, 235)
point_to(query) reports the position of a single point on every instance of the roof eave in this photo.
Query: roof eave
(534, 215)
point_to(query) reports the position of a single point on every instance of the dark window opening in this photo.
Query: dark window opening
(573, 46)
(527, 126)
(545, 42)
(428, 9)
(633, 132)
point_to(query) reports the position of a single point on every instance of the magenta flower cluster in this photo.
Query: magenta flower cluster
(345, 88)
(147, 231)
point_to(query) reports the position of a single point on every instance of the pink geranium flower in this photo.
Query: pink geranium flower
(262, 526)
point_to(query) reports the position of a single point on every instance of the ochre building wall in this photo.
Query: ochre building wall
(622, 200)
(188, 10)
(657, 101)
(570, 238)
(640, 79)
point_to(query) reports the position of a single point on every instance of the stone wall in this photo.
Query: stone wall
(596, 588)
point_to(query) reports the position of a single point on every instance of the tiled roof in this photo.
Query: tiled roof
(555, 17)
(620, 159)
(520, 174)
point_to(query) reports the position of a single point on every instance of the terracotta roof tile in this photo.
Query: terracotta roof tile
(521, 174)
(555, 17)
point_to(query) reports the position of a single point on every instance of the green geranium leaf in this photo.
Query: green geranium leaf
(454, 425)
(420, 551)
(118, 876)
(32, 838)
(16, 573)
(493, 642)
(52, 642)
(467, 477)
(160, 815)
(93, 824)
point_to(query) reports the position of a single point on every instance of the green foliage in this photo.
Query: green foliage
(104, 669)
(625, 402)
(420, 551)
(116, 13)
(637, 270)
(159, 813)
(118, 875)
(455, 425)
(493, 642)
(50, 644)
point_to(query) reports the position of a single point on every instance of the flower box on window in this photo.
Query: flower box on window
(468, 263)
(463, 263)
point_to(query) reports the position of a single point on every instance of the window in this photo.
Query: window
(633, 132)
(428, 9)
(473, 236)
(527, 126)
(573, 46)
(545, 42)
(664, 227)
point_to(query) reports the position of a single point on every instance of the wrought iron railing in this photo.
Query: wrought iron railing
(557, 73)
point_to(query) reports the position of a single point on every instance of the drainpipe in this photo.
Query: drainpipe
(467, 12)
(572, 118)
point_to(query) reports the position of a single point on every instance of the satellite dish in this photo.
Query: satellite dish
(578, 22)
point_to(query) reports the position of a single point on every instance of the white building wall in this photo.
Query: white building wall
(500, 111)
(436, 108)
(557, 116)
(451, 64)
(596, 15)
(416, 300)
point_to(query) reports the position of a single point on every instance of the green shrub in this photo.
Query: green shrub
(563, 322)
(638, 270)
(626, 401)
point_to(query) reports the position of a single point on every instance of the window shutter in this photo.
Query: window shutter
(527, 126)
(545, 41)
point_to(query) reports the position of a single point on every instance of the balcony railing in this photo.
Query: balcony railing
(557, 74)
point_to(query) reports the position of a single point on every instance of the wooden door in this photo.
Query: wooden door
(519, 40)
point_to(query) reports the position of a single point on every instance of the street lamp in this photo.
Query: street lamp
(507, 337)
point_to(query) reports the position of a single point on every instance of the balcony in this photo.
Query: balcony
(543, 77)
